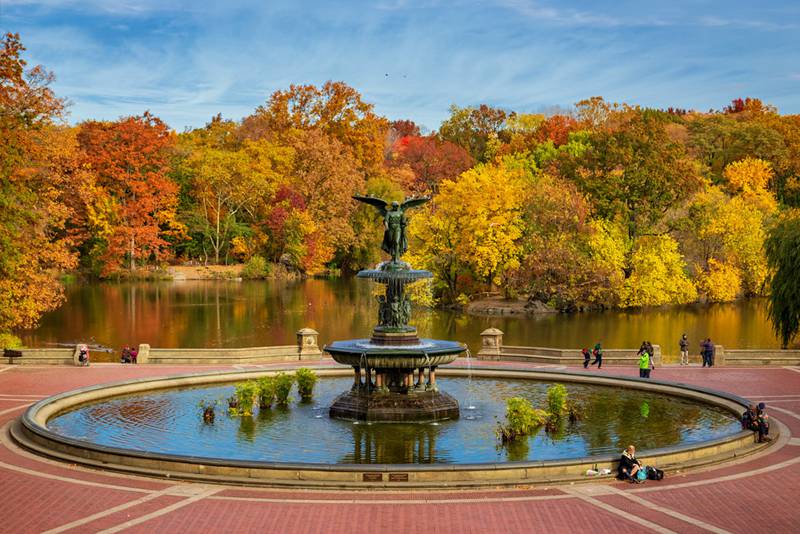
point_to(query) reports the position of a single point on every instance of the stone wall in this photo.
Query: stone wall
(306, 348)
(492, 348)
(55, 356)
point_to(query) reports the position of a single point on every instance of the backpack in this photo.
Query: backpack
(654, 473)
(641, 474)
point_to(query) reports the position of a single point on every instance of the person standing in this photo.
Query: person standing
(598, 355)
(684, 344)
(705, 353)
(644, 363)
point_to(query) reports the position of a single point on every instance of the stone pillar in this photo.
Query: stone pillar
(491, 344)
(657, 355)
(144, 353)
(432, 380)
(307, 348)
(719, 355)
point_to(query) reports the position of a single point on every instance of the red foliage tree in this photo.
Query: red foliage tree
(129, 158)
(556, 128)
(431, 160)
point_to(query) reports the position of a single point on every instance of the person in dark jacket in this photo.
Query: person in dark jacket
(629, 465)
(587, 357)
(684, 344)
(762, 420)
(707, 353)
(598, 355)
(750, 418)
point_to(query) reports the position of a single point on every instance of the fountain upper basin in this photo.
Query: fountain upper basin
(425, 353)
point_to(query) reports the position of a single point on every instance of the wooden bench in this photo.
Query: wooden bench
(11, 354)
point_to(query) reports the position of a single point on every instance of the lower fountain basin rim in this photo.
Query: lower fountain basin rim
(33, 424)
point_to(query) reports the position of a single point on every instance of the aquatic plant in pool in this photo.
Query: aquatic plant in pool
(166, 421)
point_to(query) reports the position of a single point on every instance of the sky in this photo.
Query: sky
(187, 60)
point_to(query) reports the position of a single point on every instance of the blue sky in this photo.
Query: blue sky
(186, 60)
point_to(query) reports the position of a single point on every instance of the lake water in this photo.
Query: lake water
(259, 313)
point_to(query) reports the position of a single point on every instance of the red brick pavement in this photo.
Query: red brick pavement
(719, 497)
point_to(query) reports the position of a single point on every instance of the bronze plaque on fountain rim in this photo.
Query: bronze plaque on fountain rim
(398, 477)
(372, 477)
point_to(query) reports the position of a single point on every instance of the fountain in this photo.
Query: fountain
(390, 367)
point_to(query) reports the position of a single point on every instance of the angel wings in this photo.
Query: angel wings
(394, 242)
(383, 206)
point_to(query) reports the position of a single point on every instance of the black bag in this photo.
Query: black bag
(654, 473)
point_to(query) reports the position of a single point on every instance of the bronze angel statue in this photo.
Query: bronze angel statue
(395, 242)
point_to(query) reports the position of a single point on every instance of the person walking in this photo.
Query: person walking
(684, 344)
(598, 355)
(587, 357)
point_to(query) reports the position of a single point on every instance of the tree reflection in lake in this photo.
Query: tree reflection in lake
(259, 313)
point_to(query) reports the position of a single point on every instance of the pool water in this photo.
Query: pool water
(171, 422)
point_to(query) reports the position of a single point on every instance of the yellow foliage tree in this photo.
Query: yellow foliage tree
(658, 275)
(722, 282)
(730, 231)
(474, 225)
(750, 179)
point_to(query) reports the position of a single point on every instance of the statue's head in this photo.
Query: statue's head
(395, 205)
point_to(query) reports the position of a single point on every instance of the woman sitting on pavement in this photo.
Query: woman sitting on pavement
(629, 465)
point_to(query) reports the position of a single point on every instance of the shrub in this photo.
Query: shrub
(306, 378)
(557, 400)
(266, 391)
(9, 341)
(283, 386)
(522, 419)
(245, 397)
(255, 268)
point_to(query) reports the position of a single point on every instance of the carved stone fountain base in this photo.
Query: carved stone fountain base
(422, 406)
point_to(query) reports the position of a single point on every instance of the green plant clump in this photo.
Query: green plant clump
(266, 391)
(246, 395)
(306, 379)
(557, 400)
(283, 387)
(522, 419)
(255, 268)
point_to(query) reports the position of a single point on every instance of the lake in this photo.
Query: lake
(257, 313)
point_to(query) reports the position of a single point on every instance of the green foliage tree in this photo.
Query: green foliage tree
(783, 256)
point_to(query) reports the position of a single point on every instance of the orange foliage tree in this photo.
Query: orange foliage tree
(335, 108)
(33, 177)
(135, 201)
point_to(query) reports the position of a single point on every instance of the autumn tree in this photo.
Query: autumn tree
(230, 184)
(636, 173)
(135, 204)
(336, 109)
(472, 127)
(431, 160)
(35, 168)
(325, 174)
(718, 140)
(474, 225)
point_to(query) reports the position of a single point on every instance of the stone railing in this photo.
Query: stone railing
(492, 348)
(306, 348)
(54, 356)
